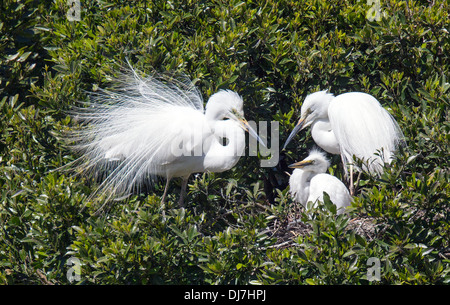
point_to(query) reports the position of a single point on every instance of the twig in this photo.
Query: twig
(43, 278)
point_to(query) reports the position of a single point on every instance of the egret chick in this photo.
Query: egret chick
(309, 181)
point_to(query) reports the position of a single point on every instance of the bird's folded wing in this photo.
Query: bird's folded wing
(364, 129)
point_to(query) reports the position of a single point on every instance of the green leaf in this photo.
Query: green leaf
(24, 57)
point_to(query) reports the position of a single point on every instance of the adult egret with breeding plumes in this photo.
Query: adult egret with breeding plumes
(309, 181)
(157, 126)
(353, 125)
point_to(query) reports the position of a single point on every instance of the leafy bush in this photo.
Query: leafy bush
(239, 227)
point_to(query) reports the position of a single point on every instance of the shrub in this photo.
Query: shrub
(240, 226)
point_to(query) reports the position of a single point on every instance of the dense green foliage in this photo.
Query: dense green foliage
(235, 225)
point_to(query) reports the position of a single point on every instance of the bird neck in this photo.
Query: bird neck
(306, 177)
(302, 180)
(324, 136)
(220, 157)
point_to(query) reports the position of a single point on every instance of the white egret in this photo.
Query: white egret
(309, 181)
(351, 124)
(157, 126)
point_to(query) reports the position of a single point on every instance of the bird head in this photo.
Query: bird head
(314, 107)
(224, 104)
(227, 104)
(315, 162)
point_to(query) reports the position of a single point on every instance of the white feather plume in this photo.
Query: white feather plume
(126, 134)
(364, 129)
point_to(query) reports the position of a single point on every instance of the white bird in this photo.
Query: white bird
(157, 126)
(309, 181)
(351, 124)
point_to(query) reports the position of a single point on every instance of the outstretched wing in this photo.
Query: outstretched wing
(129, 134)
(364, 129)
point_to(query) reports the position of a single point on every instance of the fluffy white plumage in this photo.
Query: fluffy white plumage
(351, 124)
(157, 126)
(309, 181)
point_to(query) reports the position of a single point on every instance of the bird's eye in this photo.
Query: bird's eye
(235, 112)
(224, 141)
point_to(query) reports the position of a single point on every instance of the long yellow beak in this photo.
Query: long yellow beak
(246, 126)
(297, 128)
(301, 164)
